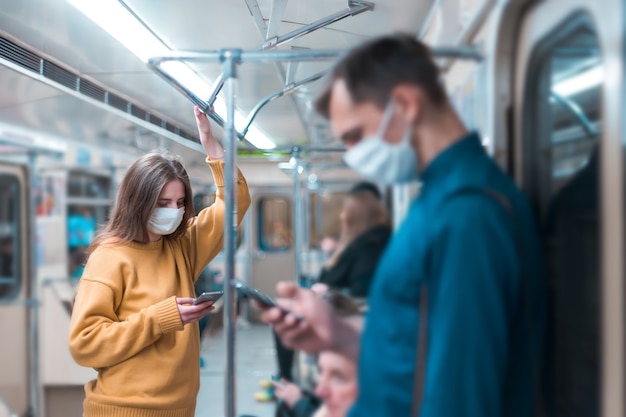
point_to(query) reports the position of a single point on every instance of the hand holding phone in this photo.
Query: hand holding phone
(208, 297)
(263, 299)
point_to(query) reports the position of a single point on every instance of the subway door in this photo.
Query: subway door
(569, 147)
(271, 240)
(15, 375)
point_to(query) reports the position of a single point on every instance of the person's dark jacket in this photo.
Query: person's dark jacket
(354, 270)
(304, 407)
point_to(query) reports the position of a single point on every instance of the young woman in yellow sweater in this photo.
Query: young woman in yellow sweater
(133, 320)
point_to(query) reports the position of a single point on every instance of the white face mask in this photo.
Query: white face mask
(164, 221)
(381, 161)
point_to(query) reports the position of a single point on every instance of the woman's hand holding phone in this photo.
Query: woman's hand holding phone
(208, 296)
(190, 312)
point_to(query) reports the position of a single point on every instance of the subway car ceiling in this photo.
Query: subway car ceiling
(65, 78)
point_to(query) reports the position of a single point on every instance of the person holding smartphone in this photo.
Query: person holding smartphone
(350, 268)
(456, 313)
(133, 319)
(335, 383)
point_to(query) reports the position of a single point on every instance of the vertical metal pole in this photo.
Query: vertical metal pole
(297, 234)
(306, 215)
(297, 213)
(230, 59)
(34, 293)
(247, 243)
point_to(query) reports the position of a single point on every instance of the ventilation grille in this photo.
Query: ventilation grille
(118, 102)
(31, 61)
(60, 75)
(19, 55)
(90, 89)
(138, 112)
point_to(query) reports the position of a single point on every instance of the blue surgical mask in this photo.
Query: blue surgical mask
(165, 221)
(378, 160)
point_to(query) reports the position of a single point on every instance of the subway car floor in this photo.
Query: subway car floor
(255, 360)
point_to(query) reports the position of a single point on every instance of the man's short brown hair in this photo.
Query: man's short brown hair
(373, 69)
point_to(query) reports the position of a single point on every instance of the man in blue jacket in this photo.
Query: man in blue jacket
(456, 311)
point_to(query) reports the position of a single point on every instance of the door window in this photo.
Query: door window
(275, 224)
(10, 237)
(88, 205)
(561, 134)
(325, 209)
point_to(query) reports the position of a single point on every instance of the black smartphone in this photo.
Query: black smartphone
(263, 299)
(208, 296)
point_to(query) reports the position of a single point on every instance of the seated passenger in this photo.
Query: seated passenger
(350, 269)
(336, 387)
(364, 235)
(336, 390)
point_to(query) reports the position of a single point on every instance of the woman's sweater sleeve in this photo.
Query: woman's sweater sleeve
(206, 234)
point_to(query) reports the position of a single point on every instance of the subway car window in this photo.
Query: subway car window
(204, 199)
(325, 209)
(563, 120)
(88, 205)
(275, 224)
(10, 237)
(86, 185)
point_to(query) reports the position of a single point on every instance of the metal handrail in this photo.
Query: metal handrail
(253, 56)
(464, 52)
(288, 89)
(355, 7)
(575, 110)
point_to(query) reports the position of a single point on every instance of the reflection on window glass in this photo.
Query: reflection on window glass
(82, 184)
(9, 237)
(275, 225)
(563, 133)
(574, 73)
(88, 206)
(202, 201)
(81, 228)
(325, 209)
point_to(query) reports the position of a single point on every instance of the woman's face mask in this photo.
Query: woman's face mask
(165, 221)
(388, 163)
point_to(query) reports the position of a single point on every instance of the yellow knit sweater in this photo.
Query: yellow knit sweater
(125, 322)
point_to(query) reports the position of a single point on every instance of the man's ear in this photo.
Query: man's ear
(409, 100)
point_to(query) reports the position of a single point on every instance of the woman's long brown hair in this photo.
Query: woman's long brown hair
(138, 196)
(362, 210)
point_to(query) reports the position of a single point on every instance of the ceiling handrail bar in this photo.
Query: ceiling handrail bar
(463, 52)
(218, 56)
(288, 89)
(430, 16)
(355, 7)
(575, 110)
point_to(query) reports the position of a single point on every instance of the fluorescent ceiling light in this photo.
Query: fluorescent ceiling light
(114, 18)
(580, 82)
(187, 77)
(111, 16)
